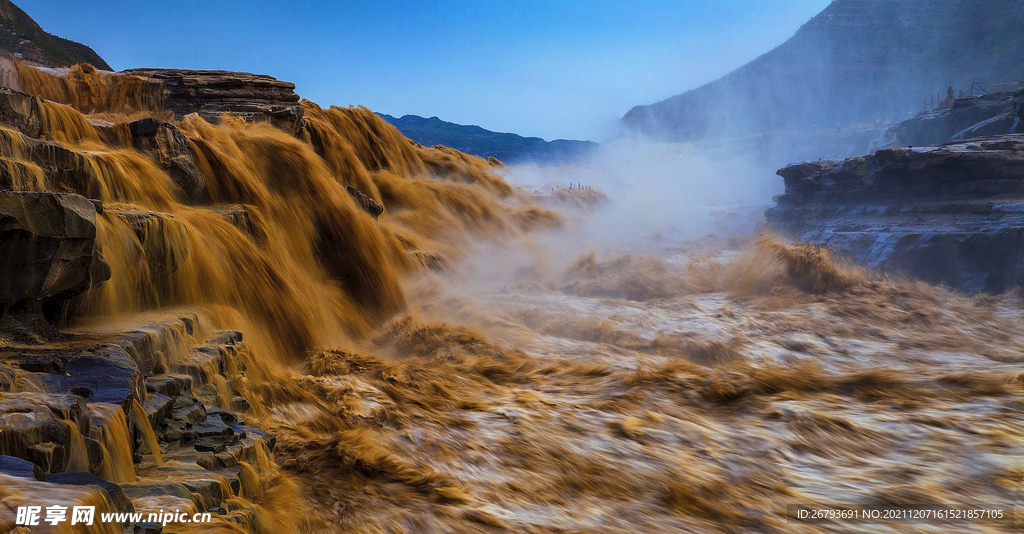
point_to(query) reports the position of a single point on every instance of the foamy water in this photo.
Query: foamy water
(691, 411)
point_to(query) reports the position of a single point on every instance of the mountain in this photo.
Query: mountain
(856, 63)
(507, 147)
(21, 36)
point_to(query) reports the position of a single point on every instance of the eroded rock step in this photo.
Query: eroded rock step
(57, 444)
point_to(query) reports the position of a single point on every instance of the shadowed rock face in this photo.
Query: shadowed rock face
(163, 240)
(173, 151)
(951, 214)
(47, 246)
(211, 93)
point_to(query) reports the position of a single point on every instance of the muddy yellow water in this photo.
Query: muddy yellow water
(696, 388)
(692, 394)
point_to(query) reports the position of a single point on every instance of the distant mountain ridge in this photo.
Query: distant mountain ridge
(27, 41)
(507, 147)
(857, 62)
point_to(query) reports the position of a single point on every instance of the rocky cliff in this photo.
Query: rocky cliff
(950, 214)
(857, 62)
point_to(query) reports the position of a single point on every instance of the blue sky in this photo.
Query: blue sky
(540, 68)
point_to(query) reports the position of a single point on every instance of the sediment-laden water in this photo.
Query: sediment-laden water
(697, 388)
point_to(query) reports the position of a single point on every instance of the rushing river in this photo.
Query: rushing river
(698, 387)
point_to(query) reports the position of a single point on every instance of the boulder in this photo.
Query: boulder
(47, 246)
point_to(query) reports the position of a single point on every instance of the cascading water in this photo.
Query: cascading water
(680, 393)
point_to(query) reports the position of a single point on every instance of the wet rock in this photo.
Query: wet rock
(10, 465)
(364, 201)
(47, 246)
(239, 217)
(117, 496)
(188, 410)
(104, 374)
(209, 491)
(21, 112)
(202, 364)
(138, 491)
(208, 395)
(227, 416)
(225, 337)
(212, 93)
(177, 431)
(7, 378)
(240, 404)
(42, 429)
(173, 151)
(210, 445)
(53, 363)
(148, 528)
(157, 407)
(169, 385)
(35, 492)
(257, 434)
(149, 347)
(213, 428)
(164, 240)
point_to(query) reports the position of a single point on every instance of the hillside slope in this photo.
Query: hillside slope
(855, 63)
(21, 36)
(475, 140)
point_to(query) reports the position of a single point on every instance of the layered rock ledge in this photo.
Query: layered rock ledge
(70, 414)
(950, 214)
(211, 93)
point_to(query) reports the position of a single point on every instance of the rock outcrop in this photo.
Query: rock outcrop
(364, 201)
(950, 214)
(173, 151)
(67, 435)
(47, 247)
(211, 93)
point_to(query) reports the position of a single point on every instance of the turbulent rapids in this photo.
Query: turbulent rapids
(704, 387)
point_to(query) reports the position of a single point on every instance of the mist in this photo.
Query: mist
(845, 78)
(660, 192)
